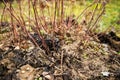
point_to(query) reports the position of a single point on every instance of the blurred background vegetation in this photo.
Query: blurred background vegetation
(110, 20)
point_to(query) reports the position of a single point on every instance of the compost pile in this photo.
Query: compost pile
(77, 56)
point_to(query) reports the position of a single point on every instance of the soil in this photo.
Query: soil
(77, 57)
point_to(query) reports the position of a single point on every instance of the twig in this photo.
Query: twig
(62, 11)
(97, 20)
(85, 10)
(93, 26)
(3, 13)
(93, 14)
(62, 61)
(55, 15)
(37, 27)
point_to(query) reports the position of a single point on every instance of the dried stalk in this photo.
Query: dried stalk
(37, 27)
(62, 61)
(14, 28)
(93, 14)
(3, 13)
(62, 11)
(54, 23)
(20, 11)
(85, 10)
(93, 26)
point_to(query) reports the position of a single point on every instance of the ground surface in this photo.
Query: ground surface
(81, 57)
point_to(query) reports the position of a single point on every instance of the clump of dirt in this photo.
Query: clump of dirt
(111, 39)
(52, 44)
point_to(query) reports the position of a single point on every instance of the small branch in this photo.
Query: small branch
(93, 14)
(37, 27)
(62, 11)
(55, 15)
(3, 13)
(62, 61)
(85, 10)
(97, 20)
